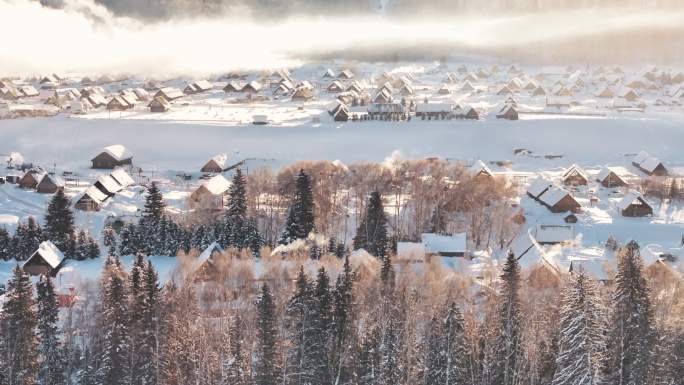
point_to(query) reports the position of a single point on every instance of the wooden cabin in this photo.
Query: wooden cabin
(434, 110)
(107, 185)
(335, 86)
(508, 112)
(112, 156)
(169, 93)
(633, 204)
(91, 200)
(31, 178)
(609, 178)
(50, 184)
(159, 104)
(211, 193)
(574, 176)
(302, 94)
(119, 103)
(649, 165)
(217, 164)
(47, 260)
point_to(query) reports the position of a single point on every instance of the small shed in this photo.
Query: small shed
(47, 260)
(558, 200)
(31, 178)
(508, 112)
(211, 192)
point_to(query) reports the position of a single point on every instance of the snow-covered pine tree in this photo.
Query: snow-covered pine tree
(109, 240)
(27, 239)
(372, 232)
(267, 366)
(59, 220)
(367, 370)
(51, 360)
(92, 248)
(148, 361)
(507, 364)
(236, 368)
(237, 196)
(136, 304)
(154, 206)
(81, 246)
(458, 370)
(632, 336)
(322, 329)
(299, 323)
(343, 342)
(435, 355)
(114, 369)
(300, 219)
(17, 327)
(4, 244)
(178, 357)
(582, 346)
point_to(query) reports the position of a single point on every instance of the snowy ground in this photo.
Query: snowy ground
(201, 126)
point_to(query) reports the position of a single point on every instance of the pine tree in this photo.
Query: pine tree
(26, 240)
(137, 302)
(114, 360)
(154, 206)
(4, 244)
(236, 369)
(81, 246)
(59, 220)
(51, 363)
(322, 328)
(300, 219)
(368, 368)
(342, 328)
(299, 323)
(267, 368)
(507, 364)
(237, 196)
(148, 361)
(19, 349)
(582, 344)
(372, 232)
(632, 336)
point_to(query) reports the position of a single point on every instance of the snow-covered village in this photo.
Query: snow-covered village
(497, 202)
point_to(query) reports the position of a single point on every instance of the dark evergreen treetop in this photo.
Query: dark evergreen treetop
(300, 219)
(237, 196)
(154, 205)
(59, 220)
(372, 232)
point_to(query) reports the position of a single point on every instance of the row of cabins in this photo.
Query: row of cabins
(104, 188)
(41, 181)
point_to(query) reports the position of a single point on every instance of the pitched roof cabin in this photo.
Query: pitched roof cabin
(159, 104)
(112, 156)
(633, 204)
(169, 93)
(211, 192)
(302, 94)
(335, 86)
(120, 103)
(556, 199)
(31, 178)
(345, 74)
(479, 170)
(252, 87)
(508, 112)
(91, 200)
(50, 184)
(341, 113)
(609, 178)
(233, 86)
(47, 260)
(574, 176)
(217, 164)
(107, 185)
(649, 165)
(434, 110)
(198, 87)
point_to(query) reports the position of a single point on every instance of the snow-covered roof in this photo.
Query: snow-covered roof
(444, 244)
(118, 152)
(217, 185)
(206, 255)
(109, 183)
(574, 169)
(640, 157)
(592, 267)
(480, 166)
(220, 159)
(554, 233)
(650, 163)
(121, 177)
(56, 180)
(434, 107)
(95, 194)
(605, 172)
(629, 198)
(553, 195)
(50, 254)
(538, 187)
